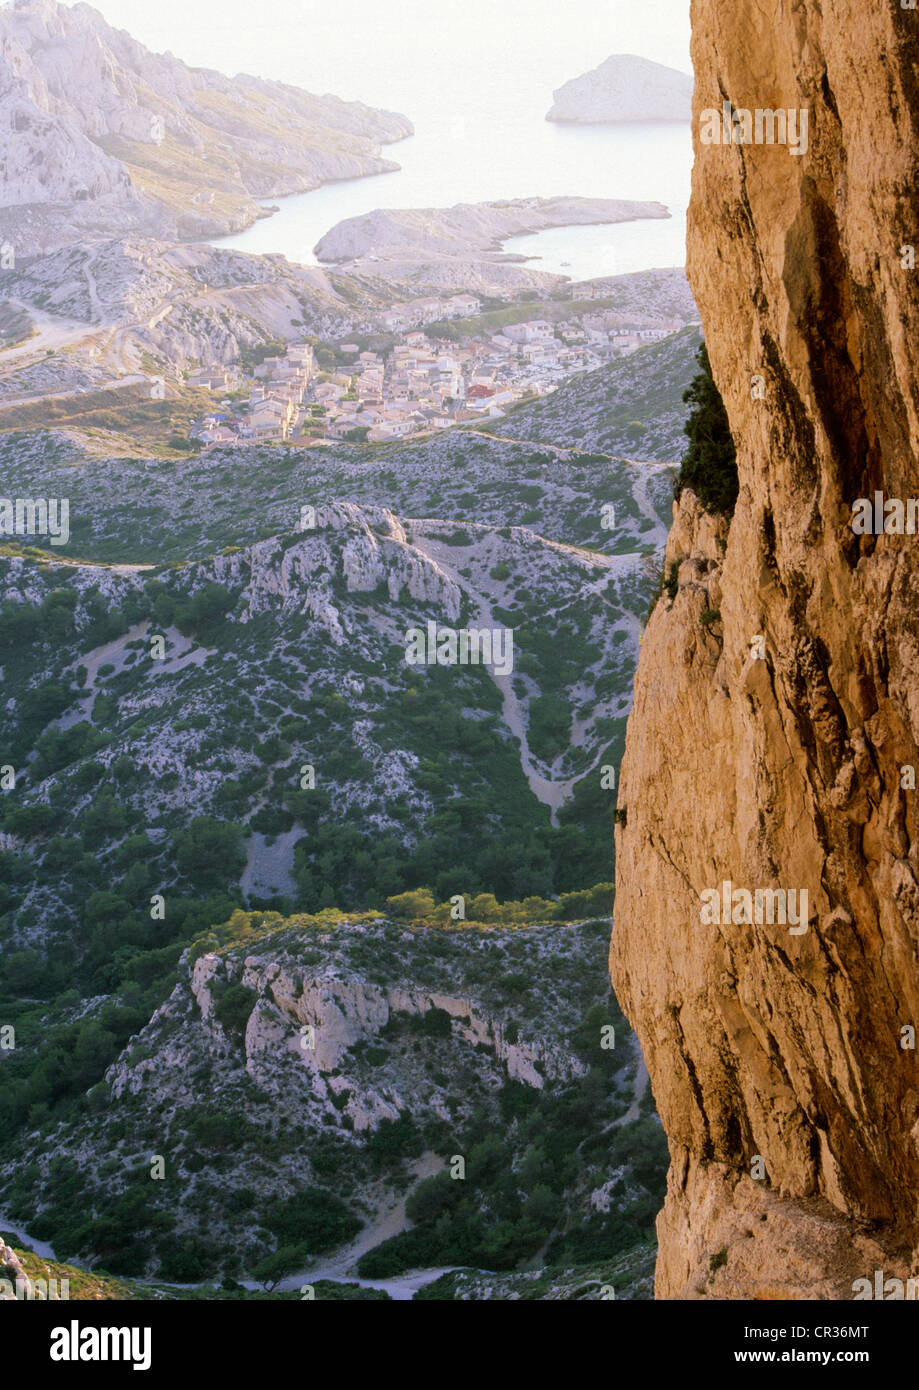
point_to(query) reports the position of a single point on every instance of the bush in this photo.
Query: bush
(417, 903)
(216, 1131)
(201, 614)
(432, 1196)
(313, 1220)
(273, 1268)
(433, 1023)
(211, 852)
(185, 1262)
(709, 466)
(234, 1006)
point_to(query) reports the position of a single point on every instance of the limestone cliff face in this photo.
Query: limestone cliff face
(767, 742)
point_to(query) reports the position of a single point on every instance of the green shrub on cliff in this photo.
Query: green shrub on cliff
(709, 466)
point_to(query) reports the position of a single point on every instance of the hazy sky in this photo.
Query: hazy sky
(380, 52)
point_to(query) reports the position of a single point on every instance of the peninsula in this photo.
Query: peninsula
(461, 246)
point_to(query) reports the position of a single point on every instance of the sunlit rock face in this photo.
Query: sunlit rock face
(772, 744)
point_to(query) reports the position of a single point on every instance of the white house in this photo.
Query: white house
(391, 427)
(462, 305)
(535, 330)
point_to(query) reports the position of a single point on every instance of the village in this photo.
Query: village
(433, 373)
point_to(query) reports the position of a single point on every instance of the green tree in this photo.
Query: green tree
(485, 908)
(314, 1219)
(24, 973)
(234, 1006)
(211, 852)
(709, 466)
(419, 902)
(432, 1196)
(273, 1268)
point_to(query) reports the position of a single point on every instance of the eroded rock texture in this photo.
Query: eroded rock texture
(785, 770)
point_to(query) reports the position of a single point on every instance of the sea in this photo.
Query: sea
(499, 145)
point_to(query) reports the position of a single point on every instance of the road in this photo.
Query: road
(550, 792)
(113, 345)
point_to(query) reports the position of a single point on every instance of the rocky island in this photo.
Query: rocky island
(624, 88)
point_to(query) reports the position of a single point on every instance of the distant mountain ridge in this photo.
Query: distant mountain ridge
(624, 88)
(103, 135)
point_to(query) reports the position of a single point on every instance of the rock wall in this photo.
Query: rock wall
(299, 1035)
(776, 700)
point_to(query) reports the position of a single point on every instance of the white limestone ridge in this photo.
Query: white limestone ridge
(341, 1011)
(365, 546)
(91, 118)
(624, 88)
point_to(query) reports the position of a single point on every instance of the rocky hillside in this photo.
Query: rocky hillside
(123, 308)
(105, 136)
(633, 406)
(240, 818)
(281, 586)
(624, 88)
(289, 653)
(303, 1076)
(458, 477)
(775, 733)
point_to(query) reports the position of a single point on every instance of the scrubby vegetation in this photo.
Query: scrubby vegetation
(709, 466)
(142, 792)
(223, 1208)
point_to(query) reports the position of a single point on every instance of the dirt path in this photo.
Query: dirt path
(51, 334)
(551, 794)
(640, 493)
(95, 303)
(562, 451)
(639, 1087)
(39, 1246)
(340, 1268)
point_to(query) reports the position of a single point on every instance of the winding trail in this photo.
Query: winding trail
(340, 1267)
(551, 794)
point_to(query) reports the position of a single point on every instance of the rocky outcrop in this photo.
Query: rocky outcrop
(460, 247)
(468, 226)
(366, 545)
(101, 131)
(11, 1272)
(775, 731)
(624, 88)
(305, 1039)
(343, 1056)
